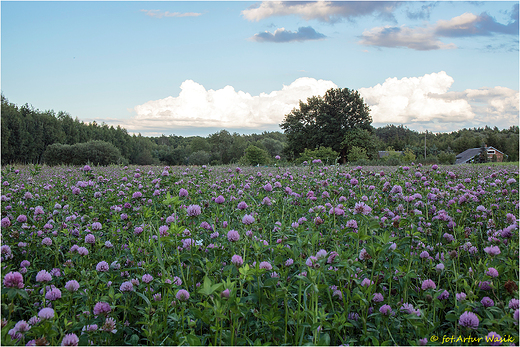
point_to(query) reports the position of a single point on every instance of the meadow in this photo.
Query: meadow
(308, 255)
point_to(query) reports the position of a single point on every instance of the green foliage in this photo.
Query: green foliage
(408, 156)
(446, 158)
(325, 121)
(359, 138)
(95, 152)
(326, 154)
(199, 158)
(357, 153)
(256, 156)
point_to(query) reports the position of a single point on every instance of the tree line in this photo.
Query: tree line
(331, 127)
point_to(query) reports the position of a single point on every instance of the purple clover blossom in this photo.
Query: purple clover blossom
(126, 286)
(289, 262)
(513, 304)
(96, 226)
(101, 308)
(46, 313)
(492, 272)
(220, 199)
(494, 339)
(248, 219)
(177, 281)
(378, 297)
(182, 295)
(193, 210)
(444, 295)
(102, 266)
(237, 260)
(487, 302)
(90, 239)
(53, 294)
(70, 340)
(183, 193)
(460, 296)
(266, 265)
(492, 250)
(47, 241)
(385, 310)
(233, 235)
(43, 276)
(72, 285)
(147, 278)
(427, 284)
(14, 280)
(469, 320)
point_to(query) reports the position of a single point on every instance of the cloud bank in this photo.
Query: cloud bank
(226, 108)
(423, 100)
(282, 35)
(161, 14)
(325, 11)
(428, 38)
(420, 103)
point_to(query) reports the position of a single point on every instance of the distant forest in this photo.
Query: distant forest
(28, 133)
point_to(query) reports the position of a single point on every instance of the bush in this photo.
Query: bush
(199, 158)
(255, 156)
(326, 154)
(94, 152)
(447, 158)
(357, 153)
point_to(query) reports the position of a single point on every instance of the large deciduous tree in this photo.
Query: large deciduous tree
(325, 121)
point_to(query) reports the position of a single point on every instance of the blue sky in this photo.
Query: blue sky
(193, 68)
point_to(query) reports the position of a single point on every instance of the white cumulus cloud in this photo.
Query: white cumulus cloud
(410, 100)
(226, 108)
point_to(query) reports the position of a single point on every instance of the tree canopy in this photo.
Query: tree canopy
(326, 121)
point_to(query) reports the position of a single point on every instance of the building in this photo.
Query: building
(472, 155)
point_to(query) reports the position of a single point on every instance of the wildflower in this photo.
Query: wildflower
(102, 266)
(460, 296)
(385, 310)
(110, 325)
(444, 295)
(43, 276)
(147, 278)
(266, 265)
(363, 254)
(96, 226)
(46, 313)
(177, 281)
(492, 250)
(366, 282)
(233, 235)
(321, 254)
(157, 297)
(21, 218)
(182, 295)
(225, 294)
(101, 308)
(53, 294)
(439, 267)
(487, 302)
(337, 293)
(362, 208)
(424, 254)
(47, 241)
(193, 210)
(90, 239)
(469, 320)
(492, 272)
(485, 285)
(126, 286)
(220, 199)
(423, 341)
(5, 222)
(378, 297)
(353, 316)
(72, 285)
(289, 262)
(70, 340)
(513, 304)
(427, 284)
(82, 251)
(22, 326)
(494, 339)
(13, 280)
(237, 260)
(248, 219)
